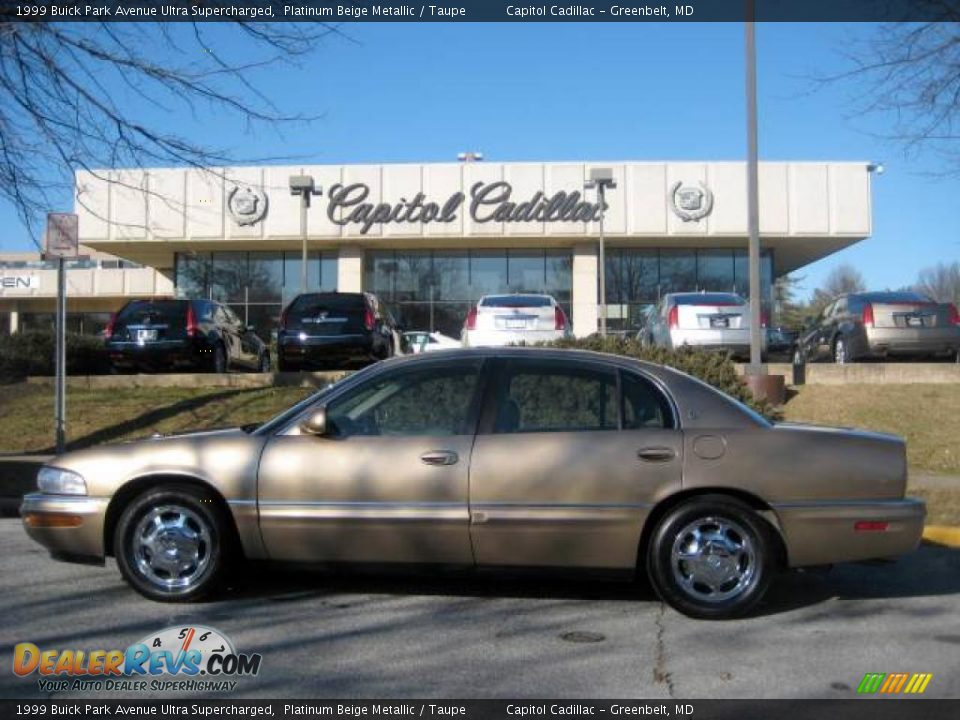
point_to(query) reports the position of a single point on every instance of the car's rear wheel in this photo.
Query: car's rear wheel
(841, 353)
(219, 362)
(264, 365)
(171, 543)
(711, 557)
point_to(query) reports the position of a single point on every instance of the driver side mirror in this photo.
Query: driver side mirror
(316, 423)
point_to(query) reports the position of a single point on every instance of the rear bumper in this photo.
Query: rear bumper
(322, 350)
(169, 353)
(906, 341)
(736, 341)
(71, 528)
(822, 533)
(499, 338)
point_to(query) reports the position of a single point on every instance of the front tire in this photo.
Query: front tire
(712, 558)
(171, 543)
(841, 353)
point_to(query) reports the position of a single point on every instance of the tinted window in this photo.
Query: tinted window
(516, 301)
(153, 312)
(556, 396)
(894, 297)
(708, 299)
(315, 304)
(428, 401)
(643, 405)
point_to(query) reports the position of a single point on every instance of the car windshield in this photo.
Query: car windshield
(516, 301)
(307, 305)
(708, 299)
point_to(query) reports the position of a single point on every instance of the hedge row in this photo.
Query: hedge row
(716, 369)
(32, 353)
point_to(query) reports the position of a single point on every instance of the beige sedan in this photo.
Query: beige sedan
(501, 457)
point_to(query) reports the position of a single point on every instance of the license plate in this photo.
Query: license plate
(145, 335)
(914, 321)
(516, 324)
(719, 322)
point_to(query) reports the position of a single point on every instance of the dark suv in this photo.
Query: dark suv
(335, 330)
(174, 334)
(880, 325)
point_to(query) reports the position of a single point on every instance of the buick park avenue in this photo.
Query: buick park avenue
(491, 458)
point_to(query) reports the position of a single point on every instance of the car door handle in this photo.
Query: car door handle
(656, 454)
(439, 457)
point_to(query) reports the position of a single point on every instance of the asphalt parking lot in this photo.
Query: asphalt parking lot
(325, 635)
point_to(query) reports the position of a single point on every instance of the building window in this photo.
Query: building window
(434, 290)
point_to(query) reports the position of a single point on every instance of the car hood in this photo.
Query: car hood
(227, 459)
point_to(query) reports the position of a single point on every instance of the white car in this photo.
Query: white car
(705, 320)
(423, 341)
(512, 319)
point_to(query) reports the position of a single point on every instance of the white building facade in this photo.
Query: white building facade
(430, 239)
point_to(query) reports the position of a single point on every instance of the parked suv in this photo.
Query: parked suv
(705, 320)
(334, 330)
(166, 333)
(513, 319)
(881, 324)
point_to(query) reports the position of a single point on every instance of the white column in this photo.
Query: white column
(14, 321)
(350, 269)
(585, 289)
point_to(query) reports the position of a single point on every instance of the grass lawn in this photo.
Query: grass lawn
(928, 416)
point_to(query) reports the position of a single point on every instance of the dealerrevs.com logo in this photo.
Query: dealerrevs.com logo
(193, 658)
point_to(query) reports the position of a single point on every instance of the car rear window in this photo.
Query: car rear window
(154, 311)
(516, 301)
(894, 297)
(308, 305)
(708, 299)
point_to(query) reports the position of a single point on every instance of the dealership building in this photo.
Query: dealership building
(431, 239)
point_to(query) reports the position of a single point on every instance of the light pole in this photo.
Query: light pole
(601, 179)
(753, 207)
(303, 186)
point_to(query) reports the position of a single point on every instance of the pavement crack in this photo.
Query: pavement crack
(660, 674)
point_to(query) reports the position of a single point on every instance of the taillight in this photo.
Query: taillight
(560, 320)
(192, 328)
(368, 321)
(868, 315)
(764, 318)
(673, 319)
(471, 322)
(954, 315)
(108, 331)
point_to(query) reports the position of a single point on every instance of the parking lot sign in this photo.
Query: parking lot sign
(62, 238)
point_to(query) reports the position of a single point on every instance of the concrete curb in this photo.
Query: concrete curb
(942, 535)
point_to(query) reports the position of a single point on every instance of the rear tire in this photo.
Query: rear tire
(172, 543)
(219, 363)
(264, 364)
(712, 558)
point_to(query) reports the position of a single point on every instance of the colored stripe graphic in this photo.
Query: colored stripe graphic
(894, 683)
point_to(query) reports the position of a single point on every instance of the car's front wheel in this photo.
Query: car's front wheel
(171, 543)
(711, 557)
(841, 353)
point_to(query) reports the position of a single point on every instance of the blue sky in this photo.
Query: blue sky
(556, 91)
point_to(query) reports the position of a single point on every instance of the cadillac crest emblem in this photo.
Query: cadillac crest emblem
(691, 203)
(247, 205)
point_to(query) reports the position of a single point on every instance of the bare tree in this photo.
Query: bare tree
(940, 282)
(841, 280)
(87, 96)
(909, 74)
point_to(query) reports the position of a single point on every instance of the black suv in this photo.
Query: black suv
(335, 330)
(173, 334)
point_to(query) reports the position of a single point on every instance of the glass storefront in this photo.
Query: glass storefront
(637, 278)
(256, 285)
(434, 289)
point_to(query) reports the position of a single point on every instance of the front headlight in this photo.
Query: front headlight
(56, 481)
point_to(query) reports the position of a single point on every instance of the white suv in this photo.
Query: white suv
(521, 318)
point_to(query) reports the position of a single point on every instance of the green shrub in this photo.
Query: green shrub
(716, 369)
(32, 353)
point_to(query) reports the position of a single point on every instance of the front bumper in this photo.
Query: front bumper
(70, 527)
(822, 533)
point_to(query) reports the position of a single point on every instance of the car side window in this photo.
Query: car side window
(644, 406)
(556, 396)
(432, 401)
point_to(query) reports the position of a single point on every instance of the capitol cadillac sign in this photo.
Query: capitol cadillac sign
(486, 202)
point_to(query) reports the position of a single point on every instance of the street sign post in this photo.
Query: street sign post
(62, 243)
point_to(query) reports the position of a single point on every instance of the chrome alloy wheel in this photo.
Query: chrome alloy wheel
(171, 546)
(713, 559)
(840, 352)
